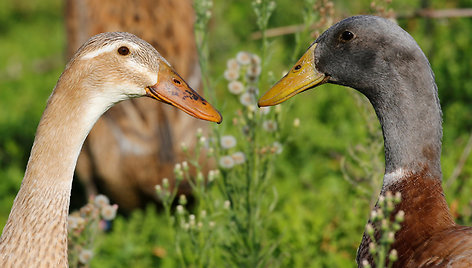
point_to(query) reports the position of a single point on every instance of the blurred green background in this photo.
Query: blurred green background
(320, 216)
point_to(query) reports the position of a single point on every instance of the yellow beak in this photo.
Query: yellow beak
(301, 77)
(172, 89)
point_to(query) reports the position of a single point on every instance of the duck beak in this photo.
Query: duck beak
(301, 77)
(172, 89)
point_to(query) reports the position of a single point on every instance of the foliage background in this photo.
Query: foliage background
(320, 216)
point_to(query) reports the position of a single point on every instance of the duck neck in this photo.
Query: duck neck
(36, 230)
(410, 117)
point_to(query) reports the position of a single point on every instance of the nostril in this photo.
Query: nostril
(176, 81)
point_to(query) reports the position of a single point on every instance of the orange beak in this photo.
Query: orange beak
(301, 77)
(172, 89)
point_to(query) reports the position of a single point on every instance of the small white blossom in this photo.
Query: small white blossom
(373, 215)
(269, 125)
(256, 59)
(254, 71)
(277, 147)
(212, 175)
(182, 199)
(226, 161)
(238, 158)
(227, 204)
(101, 200)
(236, 87)
(231, 75)
(191, 220)
(72, 222)
(109, 212)
(233, 65)
(227, 141)
(85, 256)
(296, 122)
(264, 110)
(243, 58)
(247, 99)
(180, 209)
(185, 165)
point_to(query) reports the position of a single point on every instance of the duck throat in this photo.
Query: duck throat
(36, 231)
(410, 115)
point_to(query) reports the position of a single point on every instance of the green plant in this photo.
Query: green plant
(84, 226)
(381, 230)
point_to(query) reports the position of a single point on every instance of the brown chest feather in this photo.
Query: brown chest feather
(428, 237)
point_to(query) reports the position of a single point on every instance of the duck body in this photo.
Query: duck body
(382, 61)
(107, 69)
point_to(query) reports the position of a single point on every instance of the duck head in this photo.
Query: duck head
(363, 52)
(112, 67)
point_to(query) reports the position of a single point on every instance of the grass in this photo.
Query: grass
(319, 217)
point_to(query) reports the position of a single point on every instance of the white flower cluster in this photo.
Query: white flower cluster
(242, 73)
(228, 161)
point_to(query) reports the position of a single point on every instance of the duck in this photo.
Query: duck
(136, 144)
(106, 69)
(382, 61)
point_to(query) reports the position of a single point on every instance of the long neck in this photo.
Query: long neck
(410, 115)
(36, 231)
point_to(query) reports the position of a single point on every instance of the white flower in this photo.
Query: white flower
(231, 75)
(101, 200)
(109, 212)
(72, 222)
(212, 174)
(180, 209)
(255, 59)
(277, 147)
(85, 256)
(236, 87)
(254, 71)
(233, 65)
(296, 122)
(264, 110)
(269, 125)
(243, 58)
(238, 158)
(247, 99)
(227, 204)
(228, 141)
(226, 161)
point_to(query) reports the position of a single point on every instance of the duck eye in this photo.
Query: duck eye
(298, 67)
(347, 35)
(123, 51)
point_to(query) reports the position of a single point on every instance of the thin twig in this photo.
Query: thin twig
(425, 13)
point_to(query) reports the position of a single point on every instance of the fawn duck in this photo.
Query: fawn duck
(382, 61)
(107, 69)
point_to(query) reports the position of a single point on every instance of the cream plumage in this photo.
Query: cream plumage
(108, 68)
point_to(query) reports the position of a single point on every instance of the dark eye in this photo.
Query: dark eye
(123, 51)
(347, 35)
(298, 67)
